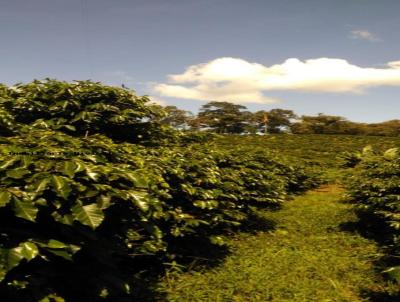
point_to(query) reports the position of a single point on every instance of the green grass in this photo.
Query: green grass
(308, 257)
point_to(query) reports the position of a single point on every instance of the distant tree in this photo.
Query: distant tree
(176, 117)
(388, 128)
(324, 124)
(260, 120)
(223, 117)
(279, 119)
(273, 121)
(301, 127)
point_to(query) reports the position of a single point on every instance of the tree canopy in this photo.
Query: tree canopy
(226, 117)
(223, 117)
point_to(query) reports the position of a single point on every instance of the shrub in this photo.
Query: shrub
(375, 187)
(84, 108)
(86, 208)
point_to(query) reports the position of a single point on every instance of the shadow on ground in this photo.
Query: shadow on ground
(375, 296)
(197, 253)
(370, 227)
(257, 223)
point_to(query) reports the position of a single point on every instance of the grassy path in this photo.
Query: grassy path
(308, 257)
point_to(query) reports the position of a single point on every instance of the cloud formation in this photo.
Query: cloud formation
(364, 35)
(240, 81)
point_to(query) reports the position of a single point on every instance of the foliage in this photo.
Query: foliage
(176, 117)
(83, 108)
(223, 117)
(279, 119)
(97, 191)
(375, 187)
(327, 124)
(84, 211)
(89, 206)
(314, 151)
(74, 210)
(297, 254)
(321, 124)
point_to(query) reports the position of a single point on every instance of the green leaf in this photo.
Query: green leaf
(25, 209)
(90, 215)
(104, 201)
(188, 189)
(217, 240)
(61, 253)
(80, 166)
(140, 199)
(55, 244)
(59, 248)
(58, 245)
(79, 116)
(138, 180)
(65, 219)
(393, 273)
(391, 153)
(5, 198)
(61, 186)
(200, 204)
(28, 250)
(8, 163)
(69, 169)
(41, 202)
(10, 258)
(42, 185)
(70, 127)
(367, 150)
(92, 174)
(27, 160)
(155, 231)
(17, 173)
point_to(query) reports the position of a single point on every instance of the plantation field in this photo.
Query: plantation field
(99, 201)
(311, 249)
(328, 155)
(324, 150)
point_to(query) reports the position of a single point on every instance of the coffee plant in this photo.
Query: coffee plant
(94, 192)
(375, 187)
(83, 108)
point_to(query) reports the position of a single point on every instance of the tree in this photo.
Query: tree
(279, 119)
(176, 117)
(260, 120)
(223, 117)
(321, 124)
(388, 128)
(273, 121)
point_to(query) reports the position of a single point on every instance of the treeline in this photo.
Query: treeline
(225, 117)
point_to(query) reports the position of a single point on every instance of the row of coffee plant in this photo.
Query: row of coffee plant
(375, 188)
(94, 192)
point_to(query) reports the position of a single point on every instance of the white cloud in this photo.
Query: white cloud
(364, 35)
(240, 81)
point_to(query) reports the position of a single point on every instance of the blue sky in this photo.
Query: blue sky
(139, 43)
